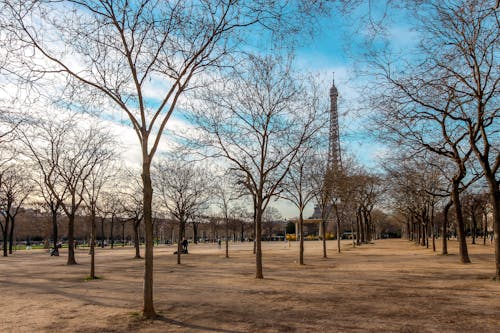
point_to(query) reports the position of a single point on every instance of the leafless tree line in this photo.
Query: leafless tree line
(444, 103)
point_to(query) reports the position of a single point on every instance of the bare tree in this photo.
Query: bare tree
(224, 198)
(352, 198)
(369, 187)
(258, 120)
(66, 155)
(299, 188)
(43, 143)
(324, 191)
(133, 208)
(466, 46)
(184, 190)
(270, 221)
(14, 189)
(454, 87)
(421, 112)
(111, 206)
(98, 178)
(474, 204)
(50, 203)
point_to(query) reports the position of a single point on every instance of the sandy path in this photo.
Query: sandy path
(388, 286)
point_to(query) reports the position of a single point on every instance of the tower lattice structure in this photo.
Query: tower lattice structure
(334, 156)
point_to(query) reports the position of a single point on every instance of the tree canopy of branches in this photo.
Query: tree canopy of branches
(66, 155)
(258, 119)
(298, 188)
(446, 100)
(184, 190)
(99, 177)
(15, 188)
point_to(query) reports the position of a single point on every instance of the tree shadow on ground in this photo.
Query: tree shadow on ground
(190, 326)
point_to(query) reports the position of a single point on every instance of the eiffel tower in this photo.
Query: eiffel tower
(334, 156)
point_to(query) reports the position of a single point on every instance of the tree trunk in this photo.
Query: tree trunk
(408, 237)
(137, 224)
(55, 231)
(474, 226)
(412, 228)
(424, 235)
(362, 228)
(427, 234)
(485, 227)
(123, 234)
(4, 237)
(495, 203)
(227, 238)
(148, 310)
(255, 225)
(102, 233)
(367, 226)
(352, 233)
(301, 235)
(358, 227)
(195, 232)
(258, 245)
(324, 238)
(463, 253)
(182, 231)
(71, 240)
(11, 234)
(433, 229)
(445, 227)
(92, 243)
(419, 233)
(426, 228)
(111, 229)
(339, 236)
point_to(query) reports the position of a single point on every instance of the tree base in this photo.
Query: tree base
(90, 278)
(149, 315)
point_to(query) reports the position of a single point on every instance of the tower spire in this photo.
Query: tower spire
(334, 158)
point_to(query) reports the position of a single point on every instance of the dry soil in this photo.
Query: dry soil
(386, 286)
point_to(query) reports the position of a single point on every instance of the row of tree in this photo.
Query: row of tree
(440, 111)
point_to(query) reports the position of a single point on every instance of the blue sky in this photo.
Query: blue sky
(337, 48)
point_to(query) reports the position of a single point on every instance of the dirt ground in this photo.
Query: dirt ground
(387, 286)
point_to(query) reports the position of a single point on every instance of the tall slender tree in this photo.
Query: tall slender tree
(258, 120)
(298, 188)
(15, 188)
(184, 190)
(98, 178)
